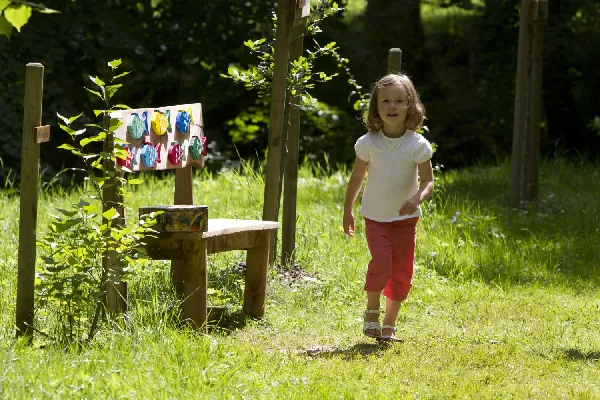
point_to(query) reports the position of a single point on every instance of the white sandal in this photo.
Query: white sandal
(367, 326)
(389, 338)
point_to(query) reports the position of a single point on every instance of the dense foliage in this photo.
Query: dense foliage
(461, 54)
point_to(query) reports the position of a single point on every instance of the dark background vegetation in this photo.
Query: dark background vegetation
(461, 55)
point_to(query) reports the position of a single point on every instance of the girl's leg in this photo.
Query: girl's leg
(379, 269)
(372, 304)
(391, 313)
(400, 282)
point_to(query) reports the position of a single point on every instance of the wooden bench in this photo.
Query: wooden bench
(192, 248)
(186, 247)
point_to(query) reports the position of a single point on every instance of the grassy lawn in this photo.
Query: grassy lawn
(505, 303)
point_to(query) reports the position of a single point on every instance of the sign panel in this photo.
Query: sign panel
(161, 138)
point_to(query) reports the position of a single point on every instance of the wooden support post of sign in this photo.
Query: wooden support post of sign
(518, 145)
(278, 96)
(394, 60)
(290, 178)
(30, 164)
(184, 195)
(116, 291)
(538, 17)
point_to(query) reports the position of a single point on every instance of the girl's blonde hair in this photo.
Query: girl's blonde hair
(415, 113)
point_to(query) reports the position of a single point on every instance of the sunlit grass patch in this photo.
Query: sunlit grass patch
(504, 302)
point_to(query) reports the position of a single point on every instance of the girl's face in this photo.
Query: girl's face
(392, 106)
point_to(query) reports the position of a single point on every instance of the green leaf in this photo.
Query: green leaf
(121, 75)
(82, 203)
(98, 112)
(122, 106)
(99, 179)
(66, 147)
(5, 27)
(135, 181)
(111, 214)
(18, 15)
(115, 63)
(47, 11)
(97, 81)
(75, 118)
(95, 126)
(94, 93)
(111, 90)
(115, 123)
(66, 212)
(4, 4)
(66, 120)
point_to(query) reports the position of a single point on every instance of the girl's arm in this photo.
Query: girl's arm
(354, 184)
(425, 189)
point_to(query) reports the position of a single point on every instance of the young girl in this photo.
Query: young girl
(392, 152)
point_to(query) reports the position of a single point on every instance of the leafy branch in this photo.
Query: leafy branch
(301, 74)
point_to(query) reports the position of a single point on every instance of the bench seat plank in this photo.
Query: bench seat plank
(218, 227)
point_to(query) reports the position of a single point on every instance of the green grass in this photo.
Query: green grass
(505, 303)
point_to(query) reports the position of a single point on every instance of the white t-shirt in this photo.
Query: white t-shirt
(392, 172)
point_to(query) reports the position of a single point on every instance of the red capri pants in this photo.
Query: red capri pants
(392, 247)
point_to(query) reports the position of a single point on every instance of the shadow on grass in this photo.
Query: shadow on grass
(225, 323)
(578, 355)
(350, 353)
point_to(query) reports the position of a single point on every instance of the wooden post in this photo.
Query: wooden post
(116, 293)
(394, 60)
(184, 195)
(519, 110)
(278, 96)
(195, 283)
(290, 179)
(539, 15)
(256, 276)
(30, 161)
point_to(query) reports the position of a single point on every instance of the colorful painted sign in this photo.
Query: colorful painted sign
(161, 138)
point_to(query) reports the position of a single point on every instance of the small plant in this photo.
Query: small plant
(71, 284)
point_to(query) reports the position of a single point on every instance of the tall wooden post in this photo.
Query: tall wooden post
(539, 15)
(278, 96)
(519, 110)
(394, 60)
(116, 293)
(184, 195)
(290, 178)
(30, 164)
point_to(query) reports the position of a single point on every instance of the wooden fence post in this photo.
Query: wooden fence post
(278, 97)
(394, 60)
(519, 110)
(30, 163)
(290, 179)
(116, 293)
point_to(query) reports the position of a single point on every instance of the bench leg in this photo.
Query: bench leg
(255, 290)
(194, 283)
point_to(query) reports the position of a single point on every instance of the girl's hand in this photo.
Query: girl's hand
(410, 206)
(349, 224)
